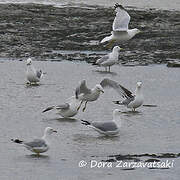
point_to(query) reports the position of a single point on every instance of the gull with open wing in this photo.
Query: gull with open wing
(120, 31)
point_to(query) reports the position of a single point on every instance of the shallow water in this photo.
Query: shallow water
(165, 4)
(153, 130)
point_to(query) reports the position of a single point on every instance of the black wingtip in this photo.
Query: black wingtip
(48, 109)
(85, 122)
(17, 141)
(76, 95)
(118, 5)
(95, 64)
(117, 102)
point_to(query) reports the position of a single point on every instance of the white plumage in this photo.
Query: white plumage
(109, 59)
(33, 75)
(120, 31)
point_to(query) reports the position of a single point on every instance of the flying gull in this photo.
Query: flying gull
(120, 29)
(37, 145)
(33, 75)
(109, 59)
(109, 128)
(68, 109)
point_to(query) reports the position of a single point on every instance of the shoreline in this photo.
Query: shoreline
(45, 31)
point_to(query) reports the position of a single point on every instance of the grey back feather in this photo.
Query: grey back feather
(102, 59)
(36, 143)
(63, 106)
(105, 126)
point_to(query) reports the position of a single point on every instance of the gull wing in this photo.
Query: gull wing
(39, 74)
(62, 106)
(125, 93)
(102, 59)
(82, 89)
(121, 20)
(36, 143)
(105, 126)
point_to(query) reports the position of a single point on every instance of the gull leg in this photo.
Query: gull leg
(110, 43)
(109, 68)
(79, 106)
(85, 106)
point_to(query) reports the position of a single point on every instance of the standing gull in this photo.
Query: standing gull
(38, 145)
(33, 75)
(120, 31)
(130, 101)
(109, 128)
(68, 109)
(109, 59)
(84, 94)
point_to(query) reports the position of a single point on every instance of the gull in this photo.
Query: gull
(84, 94)
(109, 128)
(120, 29)
(68, 109)
(109, 59)
(40, 145)
(130, 101)
(33, 75)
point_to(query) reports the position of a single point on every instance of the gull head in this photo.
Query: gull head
(116, 112)
(136, 31)
(49, 131)
(139, 84)
(29, 61)
(99, 88)
(116, 49)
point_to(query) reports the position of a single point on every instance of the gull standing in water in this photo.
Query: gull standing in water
(130, 101)
(109, 128)
(120, 31)
(109, 59)
(84, 94)
(68, 109)
(33, 75)
(38, 145)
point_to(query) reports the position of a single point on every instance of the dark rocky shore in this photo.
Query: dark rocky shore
(73, 33)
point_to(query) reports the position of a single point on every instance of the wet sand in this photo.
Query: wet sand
(46, 32)
(154, 130)
(158, 4)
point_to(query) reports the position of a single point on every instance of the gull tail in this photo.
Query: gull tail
(17, 141)
(108, 38)
(95, 63)
(85, 122)
(48, 109)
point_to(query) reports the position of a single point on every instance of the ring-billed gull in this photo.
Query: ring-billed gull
(84, 94)
(109, 59)
(33, 75)
(109, 128)
(120, 29)
(68, 109)
(40, 145)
